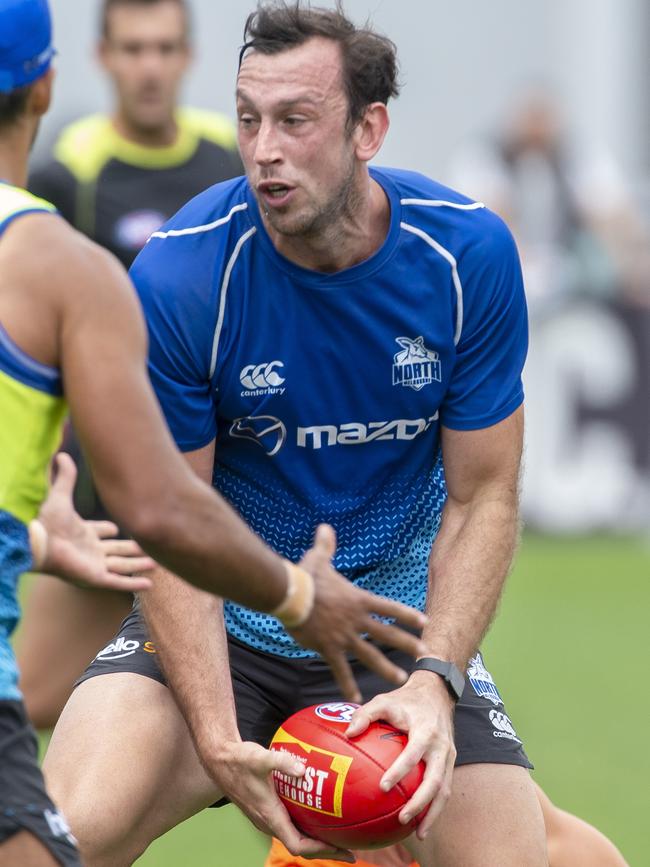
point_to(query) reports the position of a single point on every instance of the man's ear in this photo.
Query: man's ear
(41, 93)
(370, 131)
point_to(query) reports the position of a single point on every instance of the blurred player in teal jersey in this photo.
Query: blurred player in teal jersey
(117, 177)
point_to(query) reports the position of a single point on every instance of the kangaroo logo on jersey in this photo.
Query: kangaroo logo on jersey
(259, 379)
(265, 430)
(415, 366)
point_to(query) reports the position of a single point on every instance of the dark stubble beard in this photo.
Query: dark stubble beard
(330, 218)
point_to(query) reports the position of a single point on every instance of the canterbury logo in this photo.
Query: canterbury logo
(261, 376)
(504, 728)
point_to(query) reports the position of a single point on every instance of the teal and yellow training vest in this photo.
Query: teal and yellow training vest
(32, 411)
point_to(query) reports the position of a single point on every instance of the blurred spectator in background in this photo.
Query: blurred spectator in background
(117, 178)
(576, 225)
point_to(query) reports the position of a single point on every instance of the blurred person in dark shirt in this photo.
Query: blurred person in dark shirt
(118, 177)
(568, 204)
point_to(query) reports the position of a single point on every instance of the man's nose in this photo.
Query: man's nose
(267, 145)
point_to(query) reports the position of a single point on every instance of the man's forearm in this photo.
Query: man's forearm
(468, 566)
(186, 626)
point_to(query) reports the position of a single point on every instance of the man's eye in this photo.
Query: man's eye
(133, 49)
(293, 120)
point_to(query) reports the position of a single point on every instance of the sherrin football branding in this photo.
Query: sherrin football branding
(336, 711)
(339, 798)
(321, 788)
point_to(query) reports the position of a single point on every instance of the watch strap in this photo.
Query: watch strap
(447, 671)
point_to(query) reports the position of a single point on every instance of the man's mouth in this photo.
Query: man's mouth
(274, 193)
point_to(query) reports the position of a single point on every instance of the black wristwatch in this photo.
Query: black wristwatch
(447, 671)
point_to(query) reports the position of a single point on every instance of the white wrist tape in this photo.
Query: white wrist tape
(297, 605)
(38, 543)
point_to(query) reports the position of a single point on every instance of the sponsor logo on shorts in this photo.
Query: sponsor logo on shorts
(259, 379)
(58, 825)
(415, 366)
(481, 680)
(503, 727)
(119, 649)
(336, 711)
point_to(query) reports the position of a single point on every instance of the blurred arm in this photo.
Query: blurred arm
(90, 325)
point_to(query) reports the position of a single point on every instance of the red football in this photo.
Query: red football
(339, 800)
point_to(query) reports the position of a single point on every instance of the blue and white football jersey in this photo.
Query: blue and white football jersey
(326, 392)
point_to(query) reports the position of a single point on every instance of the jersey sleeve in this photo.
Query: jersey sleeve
(171, 285)
(486, 385)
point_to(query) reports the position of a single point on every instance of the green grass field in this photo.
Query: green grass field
(569, 650)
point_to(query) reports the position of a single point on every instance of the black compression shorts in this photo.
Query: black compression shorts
(269, 688)
(24, 803)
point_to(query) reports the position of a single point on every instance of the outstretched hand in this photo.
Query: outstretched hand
(343, 614)
(86, 553)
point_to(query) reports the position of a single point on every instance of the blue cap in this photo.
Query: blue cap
(26, 49)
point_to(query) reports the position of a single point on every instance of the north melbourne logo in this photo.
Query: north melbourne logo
(481, 680)
(415, 366)
(259, 379)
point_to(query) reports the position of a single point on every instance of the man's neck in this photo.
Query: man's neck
(14, 153)
(353, 239)
(153, 137)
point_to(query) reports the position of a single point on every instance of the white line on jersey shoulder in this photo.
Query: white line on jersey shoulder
(454, 273)
(222, 299)
(193, 230)
(440, 203)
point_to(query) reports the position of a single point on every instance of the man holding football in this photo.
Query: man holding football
(328, 342)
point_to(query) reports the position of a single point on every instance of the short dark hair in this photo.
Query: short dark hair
(109, 5)
(13, 104)
(369, 59)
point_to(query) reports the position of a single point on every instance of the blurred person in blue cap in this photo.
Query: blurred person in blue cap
(72, 333)
(25, 43)
(117, 177)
